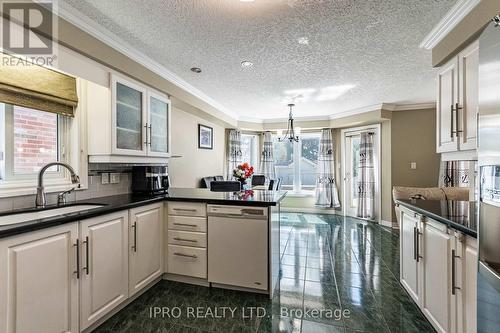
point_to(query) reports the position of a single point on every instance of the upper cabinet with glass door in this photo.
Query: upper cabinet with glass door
(158, 135)
(140, 120)
(129, 118)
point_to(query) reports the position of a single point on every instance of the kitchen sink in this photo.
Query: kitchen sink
(40, 214)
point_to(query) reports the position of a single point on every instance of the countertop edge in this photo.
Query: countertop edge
(29, 226)
(438, 218)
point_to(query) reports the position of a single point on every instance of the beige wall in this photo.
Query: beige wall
(414, 140)
(195, 163)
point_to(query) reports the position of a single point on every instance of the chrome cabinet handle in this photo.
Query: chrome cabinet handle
(184, 209)
(186, 224)
(77, 244)
(186, 255)
(146, 127)
(134, 226)
(185, 240)
(415, 243)
(150, 134)
(418, 245)
(451, 123)
(86, 242)
(453, 273)
(457, 120)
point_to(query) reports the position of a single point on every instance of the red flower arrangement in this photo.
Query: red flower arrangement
(242, 172)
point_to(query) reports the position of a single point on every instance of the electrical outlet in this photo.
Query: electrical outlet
(104, 178)
(114, 178)
(413, 165)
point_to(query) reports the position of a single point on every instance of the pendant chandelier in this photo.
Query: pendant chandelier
(291, 133)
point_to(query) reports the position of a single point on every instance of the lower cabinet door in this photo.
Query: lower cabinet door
(38, 281)
(409, 273)
(104, 260)
(145, 246)
(438, 301)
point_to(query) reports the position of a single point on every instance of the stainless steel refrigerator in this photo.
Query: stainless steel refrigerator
(488, 292)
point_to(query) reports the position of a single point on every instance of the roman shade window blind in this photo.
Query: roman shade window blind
(26, 84)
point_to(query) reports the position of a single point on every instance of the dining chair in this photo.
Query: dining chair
(225, 186)
(258, 180)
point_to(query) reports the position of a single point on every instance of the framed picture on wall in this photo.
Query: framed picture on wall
(205, 137)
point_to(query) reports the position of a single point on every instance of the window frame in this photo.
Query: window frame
(297, 187)
(72, 142)
(254, 150)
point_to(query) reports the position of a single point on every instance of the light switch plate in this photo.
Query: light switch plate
(114, 178)
(413, 165)
(104, 178)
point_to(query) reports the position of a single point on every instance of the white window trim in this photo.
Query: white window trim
(75, 152)
(297, 188)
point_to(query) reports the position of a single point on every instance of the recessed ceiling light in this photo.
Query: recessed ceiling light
(246, 64)
(303, 41)
(196, 70)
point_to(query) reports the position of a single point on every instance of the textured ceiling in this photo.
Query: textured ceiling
(359, 53)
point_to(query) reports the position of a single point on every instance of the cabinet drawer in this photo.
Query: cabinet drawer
(187, 209)
(187, 238)
(187, 223)
(186, 260)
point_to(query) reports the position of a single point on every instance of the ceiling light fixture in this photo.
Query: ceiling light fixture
(303, 41)
(290, 131)
(196, 70)
(246, 64)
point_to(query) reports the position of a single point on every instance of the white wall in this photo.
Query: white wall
(195, 163)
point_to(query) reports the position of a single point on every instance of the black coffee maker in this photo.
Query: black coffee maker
(150, 179)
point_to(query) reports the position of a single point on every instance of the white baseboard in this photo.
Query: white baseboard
(310, 210)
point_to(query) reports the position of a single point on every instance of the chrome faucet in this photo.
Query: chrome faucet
(41, 200)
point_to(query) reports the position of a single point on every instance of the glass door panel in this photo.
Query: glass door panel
(159, 119)
(129, 113)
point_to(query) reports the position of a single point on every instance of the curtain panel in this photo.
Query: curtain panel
(233, 152)
(326, 188)
(267, 158)
(454, 174)
(366, 174)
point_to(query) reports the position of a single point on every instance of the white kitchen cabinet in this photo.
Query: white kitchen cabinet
(145, 246)
(469, 281)
(39, 281)
(410, 271)
(458, 101)
(439, 299)
(468, 97)
(447, 92)
(187, 239)
(104, 260)
(127, 122)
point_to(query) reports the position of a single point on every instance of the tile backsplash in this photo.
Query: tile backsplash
(95, 189)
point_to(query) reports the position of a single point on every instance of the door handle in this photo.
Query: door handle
(77, 244)
(453, 273)
(134, 226)
(146, 127)
(150, 134)
(86, 242)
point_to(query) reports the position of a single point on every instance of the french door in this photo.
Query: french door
(351, 140)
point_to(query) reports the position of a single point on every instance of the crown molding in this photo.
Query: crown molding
(461, 9)
(82, 22)
(416, 106)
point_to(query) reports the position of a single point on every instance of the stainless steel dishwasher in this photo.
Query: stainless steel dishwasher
(238, 246)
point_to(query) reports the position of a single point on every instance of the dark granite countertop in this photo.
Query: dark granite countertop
(115, 203)
(459, 215)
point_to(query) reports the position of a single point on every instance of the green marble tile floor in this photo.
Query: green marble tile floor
(338, 275)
